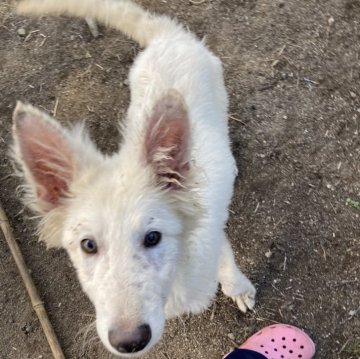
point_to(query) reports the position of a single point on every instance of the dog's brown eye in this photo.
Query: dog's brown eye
(152, 239)
(89, 246)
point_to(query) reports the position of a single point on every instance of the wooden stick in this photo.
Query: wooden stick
(36, 302)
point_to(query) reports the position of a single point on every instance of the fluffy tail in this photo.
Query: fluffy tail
(122, 15)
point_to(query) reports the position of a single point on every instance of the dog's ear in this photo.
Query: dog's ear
(167, 140)
(45, 155)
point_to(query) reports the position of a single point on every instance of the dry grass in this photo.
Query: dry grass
(5, 12)
(353, 348)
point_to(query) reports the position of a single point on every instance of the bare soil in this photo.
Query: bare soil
(292, 70)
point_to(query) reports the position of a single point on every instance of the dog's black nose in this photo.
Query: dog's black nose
(130, 342)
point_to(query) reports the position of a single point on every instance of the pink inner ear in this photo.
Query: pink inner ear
(167, 139)
(46, 155)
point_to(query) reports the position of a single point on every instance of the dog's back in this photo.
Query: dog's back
(122, 15)
(179, 61)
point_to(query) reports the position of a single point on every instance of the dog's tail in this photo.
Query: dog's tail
(122, 15)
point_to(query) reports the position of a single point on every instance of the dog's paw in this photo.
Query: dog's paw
(237, 286)
(246, 299)
(243, 294)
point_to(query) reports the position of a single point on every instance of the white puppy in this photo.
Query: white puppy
(144, 227)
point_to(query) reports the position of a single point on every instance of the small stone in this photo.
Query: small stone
(231, 336)
(331, 21)
(352, 94)
(268, 254)
(26, 328)
(126, 82)
(21, 32)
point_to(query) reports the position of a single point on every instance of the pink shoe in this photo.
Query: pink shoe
(281, 341)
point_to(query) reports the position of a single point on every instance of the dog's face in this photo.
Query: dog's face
(122, 219)
(123, 236)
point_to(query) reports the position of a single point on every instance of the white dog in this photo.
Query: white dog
(144, 227)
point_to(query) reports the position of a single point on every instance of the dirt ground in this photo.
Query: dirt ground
(292, 70)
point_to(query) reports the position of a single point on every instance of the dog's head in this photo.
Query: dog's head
(121, 219)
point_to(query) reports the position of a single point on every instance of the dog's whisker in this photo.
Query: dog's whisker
(90, 338)
(84, 331)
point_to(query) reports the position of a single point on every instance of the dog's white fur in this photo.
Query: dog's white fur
(174, 174)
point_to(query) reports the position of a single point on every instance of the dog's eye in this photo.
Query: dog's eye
(152, 239)
(89, 246)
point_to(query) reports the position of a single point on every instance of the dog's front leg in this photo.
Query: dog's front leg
(233, 282)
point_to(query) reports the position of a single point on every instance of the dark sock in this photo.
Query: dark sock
(245, 354)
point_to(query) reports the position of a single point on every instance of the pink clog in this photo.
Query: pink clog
(281, 341)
